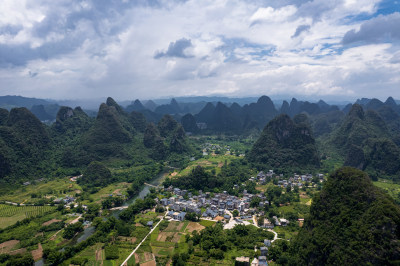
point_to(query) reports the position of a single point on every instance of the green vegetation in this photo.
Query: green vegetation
(365, 142)
(96, 175)
(10, 214)
(237, 172)
(351, 221)
(285, 146)
(214, 243)
(206, 223)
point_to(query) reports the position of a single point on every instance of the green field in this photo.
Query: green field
(46, 189)
(209, 163)
(10, 214)
(112, 189)
(206, 223)
(391, 188)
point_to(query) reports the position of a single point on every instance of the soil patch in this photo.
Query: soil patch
(168, 237)
(174, 227)
(149, 263)
(51, 222)
(37, 254)
(194, 226)
(174, 173)
(303, 195)
(18, 251)
(148, 256)
(219, 218)
(5, 247)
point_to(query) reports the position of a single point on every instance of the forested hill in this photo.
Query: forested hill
(365, 141)
(285, 145)
(351, 222)
(30, 149)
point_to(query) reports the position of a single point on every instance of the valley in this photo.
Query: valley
(122, 187)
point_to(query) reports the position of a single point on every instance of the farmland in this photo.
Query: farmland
(10, 214)
(44, 190)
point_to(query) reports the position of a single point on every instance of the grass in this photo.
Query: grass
(54, 188)
(90, 254)
(207, 223)
(154, 234)
(10, 214)
(185, 224)
(391, 188)
(209, 163)
(108, 190)
(286, 230)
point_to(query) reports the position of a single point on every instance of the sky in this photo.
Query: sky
(147, 49)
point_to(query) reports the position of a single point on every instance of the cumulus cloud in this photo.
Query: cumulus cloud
(175, 49)
(379, 29)
(146, 49)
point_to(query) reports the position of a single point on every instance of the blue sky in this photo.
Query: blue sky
(338, 49)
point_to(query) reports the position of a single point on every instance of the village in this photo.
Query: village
(233, 210)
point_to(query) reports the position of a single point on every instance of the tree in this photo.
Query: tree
(235, 213)
(72, 229)
(96, 175)
(260, 221)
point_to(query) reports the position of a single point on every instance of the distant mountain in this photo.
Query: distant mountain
(40, 112)
(189, 123)
(365, 141)
(296, 107)
(285, 145)
(19, 101)
(171, 108)
(351, 222)
(150, 105)
(260, 112)
(325, 123)
(135, 106)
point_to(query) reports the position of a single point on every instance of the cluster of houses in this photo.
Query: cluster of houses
(295, 180)
(217, 205)
(260, 261)
(66, 200)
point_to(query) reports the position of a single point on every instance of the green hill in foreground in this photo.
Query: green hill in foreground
(351, 222)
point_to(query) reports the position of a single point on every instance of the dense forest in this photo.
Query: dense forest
(30, 149)
(297, 136)
(351, 222)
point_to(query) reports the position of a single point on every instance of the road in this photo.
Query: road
(270, 230)
(138, 246)
(275, 235)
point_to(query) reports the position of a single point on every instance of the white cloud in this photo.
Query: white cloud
(82, 49)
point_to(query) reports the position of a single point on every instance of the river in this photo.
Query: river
(145, 190)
